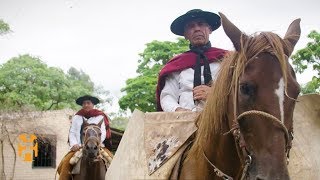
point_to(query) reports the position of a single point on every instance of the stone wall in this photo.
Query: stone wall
(55, 123)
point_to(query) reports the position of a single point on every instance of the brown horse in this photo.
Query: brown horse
(92, 166)
(246, 128)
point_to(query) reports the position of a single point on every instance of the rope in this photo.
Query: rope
(269, 116)
(238, 69)
(96, 138)
(245, 169)
(218, 172)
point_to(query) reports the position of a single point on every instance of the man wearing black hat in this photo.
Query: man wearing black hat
(184, 82)
(91, 115)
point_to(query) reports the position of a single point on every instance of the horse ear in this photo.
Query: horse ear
(100, 123)
(232, 31)
(84, 122)
(292, 36)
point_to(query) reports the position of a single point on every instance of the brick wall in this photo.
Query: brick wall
(48, 123)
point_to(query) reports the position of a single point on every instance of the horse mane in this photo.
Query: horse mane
(211, 119)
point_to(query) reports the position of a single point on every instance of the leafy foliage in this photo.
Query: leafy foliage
(4, 27)
(27, 82)
(140, 91)
(119, 120)
(309, 57)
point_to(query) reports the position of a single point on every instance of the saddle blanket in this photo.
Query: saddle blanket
(151, 145)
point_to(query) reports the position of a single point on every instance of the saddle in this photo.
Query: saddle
(182, 156)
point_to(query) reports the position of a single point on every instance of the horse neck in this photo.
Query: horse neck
(221, 151)
(92, 170)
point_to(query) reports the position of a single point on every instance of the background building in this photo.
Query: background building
(51, 129)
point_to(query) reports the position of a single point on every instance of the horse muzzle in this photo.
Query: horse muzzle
(267, 172)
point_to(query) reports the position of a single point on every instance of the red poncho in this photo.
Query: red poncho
(181, 62)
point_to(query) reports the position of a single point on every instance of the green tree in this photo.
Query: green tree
(119, 120)
(140, 91)
(80, 80)
(104, 96)
(27, 82)
(309, 57)
(4, 27)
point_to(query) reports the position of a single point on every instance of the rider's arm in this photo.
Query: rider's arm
(169, 96)
(74, 133)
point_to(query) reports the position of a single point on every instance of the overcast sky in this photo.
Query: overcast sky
(104, 37)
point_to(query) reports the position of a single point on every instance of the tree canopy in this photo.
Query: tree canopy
(309, 57)
(140, 91)
(27, 82)
(4, 27)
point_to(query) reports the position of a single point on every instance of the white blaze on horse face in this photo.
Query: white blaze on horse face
(280, 93)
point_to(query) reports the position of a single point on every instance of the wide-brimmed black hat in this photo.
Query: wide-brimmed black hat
(94, 100)
(177, 26)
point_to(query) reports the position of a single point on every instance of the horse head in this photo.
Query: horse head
(91, 136)
(262, 97)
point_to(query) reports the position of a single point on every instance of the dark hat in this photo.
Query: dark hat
(94, 100)
(177, 26)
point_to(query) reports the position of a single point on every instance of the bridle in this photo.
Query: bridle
(96, 130)
(241, 145)
(95, 138)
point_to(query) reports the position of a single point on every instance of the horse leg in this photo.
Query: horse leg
(83, 171)
(96, 171)
(102, 170)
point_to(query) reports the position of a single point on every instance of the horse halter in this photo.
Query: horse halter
(238, 136)
(241, 144)
(96, 138)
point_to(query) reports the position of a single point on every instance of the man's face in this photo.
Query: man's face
(87, 105)
(197, 32)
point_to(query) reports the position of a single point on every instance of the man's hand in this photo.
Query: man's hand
(201, 92)
(75, 147)
(182, 109)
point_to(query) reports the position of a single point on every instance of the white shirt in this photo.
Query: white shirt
(177, 91)
(74, 134)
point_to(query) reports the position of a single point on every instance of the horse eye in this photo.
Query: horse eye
(247, 89)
